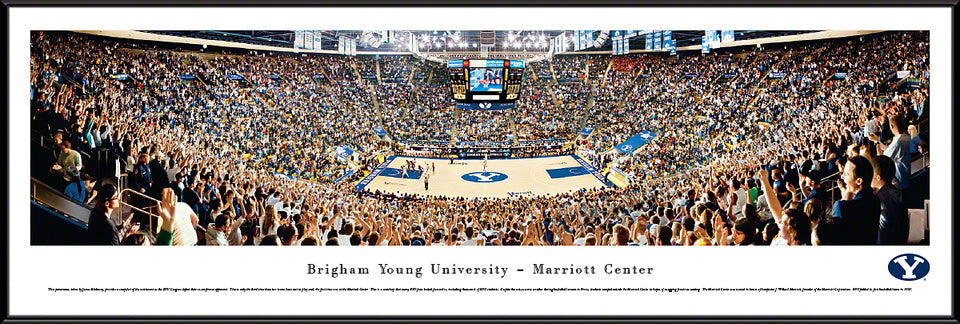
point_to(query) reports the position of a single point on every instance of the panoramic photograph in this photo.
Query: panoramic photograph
(479, 137)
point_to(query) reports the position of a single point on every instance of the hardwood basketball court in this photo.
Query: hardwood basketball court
(512, 177)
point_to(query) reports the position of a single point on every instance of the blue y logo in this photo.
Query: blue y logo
(484, 177)
(909, 267)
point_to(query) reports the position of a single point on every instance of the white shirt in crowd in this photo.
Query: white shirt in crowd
(580, 241)
(470, 242)
(743, 197)
(183, 232)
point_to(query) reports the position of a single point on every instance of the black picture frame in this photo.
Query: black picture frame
(6, 201)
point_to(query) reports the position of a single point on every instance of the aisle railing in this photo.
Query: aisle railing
(155, 206)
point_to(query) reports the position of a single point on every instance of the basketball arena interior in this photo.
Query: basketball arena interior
(479, 138)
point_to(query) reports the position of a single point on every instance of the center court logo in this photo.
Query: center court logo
(484, 177)
(626, 147)
(909, 267)
(396, 173)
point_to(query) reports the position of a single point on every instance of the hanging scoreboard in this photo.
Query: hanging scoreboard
(485, 84)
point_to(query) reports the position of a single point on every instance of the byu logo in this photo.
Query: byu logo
(484, 105)
(484, 177)
(626, 147)
(909, 267)
(646, 135)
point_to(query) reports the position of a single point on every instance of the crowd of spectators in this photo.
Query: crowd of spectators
(539, 118)
(421, 70)
(396, 67)
(416, 112)
(481, 126)
(597, 65)
(735, 161)
(569, 67)
(541, 70)
(366, 67)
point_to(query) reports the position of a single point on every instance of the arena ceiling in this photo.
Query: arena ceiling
(454, 40)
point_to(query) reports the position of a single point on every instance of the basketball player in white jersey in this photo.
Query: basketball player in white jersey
(485, 163)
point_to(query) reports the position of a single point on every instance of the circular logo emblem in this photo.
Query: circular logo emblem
(909, 267)
(626, 147)
(484, 105)
(484, 177)
(393, 172)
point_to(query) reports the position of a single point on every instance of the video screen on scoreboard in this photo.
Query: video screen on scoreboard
(486, 80)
